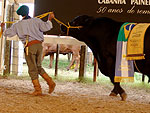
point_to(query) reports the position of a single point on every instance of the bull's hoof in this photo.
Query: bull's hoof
(75, 70)
(50, 67)
(123, 96)
(112, 94)
(67, 69)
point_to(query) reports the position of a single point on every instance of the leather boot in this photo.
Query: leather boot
(37, 87)
(50, 82)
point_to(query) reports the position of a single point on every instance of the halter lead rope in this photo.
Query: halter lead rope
(67, 26)
(58, 21)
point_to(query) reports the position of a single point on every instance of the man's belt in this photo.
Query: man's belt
(33, 42)
(27, 44)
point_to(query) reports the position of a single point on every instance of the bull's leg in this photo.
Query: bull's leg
(69, 56)
(118, 90)
(51, 60)
(77, 60)
(71, 63)
(76, 65)
(148, 79)
(43, 55)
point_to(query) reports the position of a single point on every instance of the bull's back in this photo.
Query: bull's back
(63, 48)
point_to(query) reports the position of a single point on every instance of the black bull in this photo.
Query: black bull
(100, 34)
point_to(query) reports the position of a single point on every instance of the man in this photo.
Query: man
(32, 28)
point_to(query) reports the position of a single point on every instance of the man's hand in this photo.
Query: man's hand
(51, 16)
(2, 25)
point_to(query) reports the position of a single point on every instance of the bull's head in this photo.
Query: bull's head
(81, 21)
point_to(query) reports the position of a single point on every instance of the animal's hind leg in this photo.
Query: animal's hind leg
(77, 60)
(69, 56)
(114, 92)
(118, 90)
(71, 63)
(51, 60)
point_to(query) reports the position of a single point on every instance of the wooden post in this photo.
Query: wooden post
(95, 70)
(143, 77)
(7, 53)
(57, 57)
(82, 62)
(7, 57)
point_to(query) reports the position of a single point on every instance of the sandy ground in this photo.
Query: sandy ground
(70, 97)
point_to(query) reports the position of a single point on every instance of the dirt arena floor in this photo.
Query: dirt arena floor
(70, 97)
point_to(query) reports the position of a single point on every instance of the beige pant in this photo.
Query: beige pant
(33, 60)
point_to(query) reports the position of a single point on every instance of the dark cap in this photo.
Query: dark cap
(23, 10)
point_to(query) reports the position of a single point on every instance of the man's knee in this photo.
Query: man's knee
(41, 71)
(33, 76)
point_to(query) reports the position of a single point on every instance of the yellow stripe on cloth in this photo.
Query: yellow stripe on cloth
(1, 32)
(135, 45)
(124, 79)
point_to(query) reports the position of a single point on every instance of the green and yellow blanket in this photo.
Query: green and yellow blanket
(124, 70)
(130, 46)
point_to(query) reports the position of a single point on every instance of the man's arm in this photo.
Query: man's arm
(2, 26)
(46, 26)
(10, 32)
(51, 16)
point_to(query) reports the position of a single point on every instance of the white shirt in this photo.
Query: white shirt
(33, 27)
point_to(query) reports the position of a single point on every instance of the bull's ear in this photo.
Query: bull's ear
(88, 21)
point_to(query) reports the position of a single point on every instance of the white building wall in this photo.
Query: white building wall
(17, 59)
